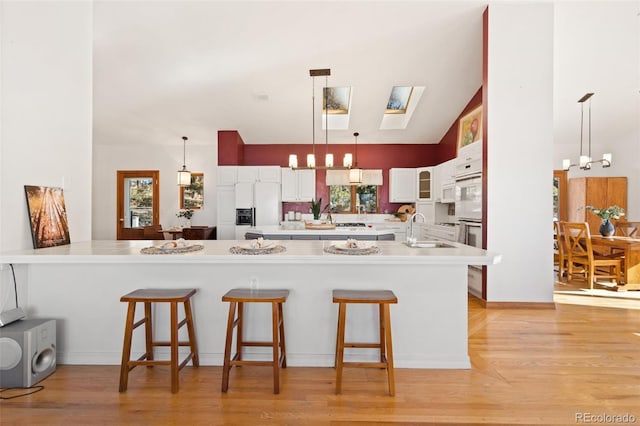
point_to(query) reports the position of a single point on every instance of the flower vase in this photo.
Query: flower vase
(606, 228)
(187, 223)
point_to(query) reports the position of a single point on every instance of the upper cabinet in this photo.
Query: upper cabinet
(253, 174)
(298, 185)
(425, 183)
(444, 189)
(402, 185)
(227, 175)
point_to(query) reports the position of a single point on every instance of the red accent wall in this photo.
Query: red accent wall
(230, 148)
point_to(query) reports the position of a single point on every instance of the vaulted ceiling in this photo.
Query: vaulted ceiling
(168, 68)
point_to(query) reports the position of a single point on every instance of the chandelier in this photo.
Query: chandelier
(311, 157)
(585, 161)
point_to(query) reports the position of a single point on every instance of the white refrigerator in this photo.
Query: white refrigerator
(265, 201)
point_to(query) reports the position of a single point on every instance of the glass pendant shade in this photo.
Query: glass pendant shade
(347, 161)
(184, 177)
(311, 161)
(328, 160)
(293, 161)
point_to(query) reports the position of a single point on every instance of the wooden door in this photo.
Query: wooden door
(138, 201)
(560, 195)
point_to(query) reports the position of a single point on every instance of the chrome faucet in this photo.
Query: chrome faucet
(412, 220)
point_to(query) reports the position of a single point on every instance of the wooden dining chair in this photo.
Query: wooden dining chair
(152, 232)
(580, 256)
(560, 257)
(628, 229)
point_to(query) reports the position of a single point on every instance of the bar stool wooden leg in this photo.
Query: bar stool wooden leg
(174, 347)
(283, 350)
(227, 347)
(342, 313)
(192, 334)
(239, 332)
(148, 332)
(381, 320)
(126, 347)
(389, 350)
(275, 333)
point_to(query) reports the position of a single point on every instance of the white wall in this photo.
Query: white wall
(108, 159)
(596, 49)
(519, 105)
(46, 116)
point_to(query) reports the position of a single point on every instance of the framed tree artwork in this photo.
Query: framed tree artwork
(47, 215)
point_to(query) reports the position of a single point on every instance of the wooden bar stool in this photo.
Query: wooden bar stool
(382, 298)
(149, 296)
(237, 298)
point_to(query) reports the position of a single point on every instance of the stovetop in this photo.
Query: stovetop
(350, 224)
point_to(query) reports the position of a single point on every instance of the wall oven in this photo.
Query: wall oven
(469, 197)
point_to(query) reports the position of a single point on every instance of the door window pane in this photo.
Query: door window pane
(138, 202)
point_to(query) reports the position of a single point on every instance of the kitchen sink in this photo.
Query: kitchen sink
(429, 244)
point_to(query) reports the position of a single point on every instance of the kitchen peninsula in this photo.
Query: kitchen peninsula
(80, 285)
(337, 233)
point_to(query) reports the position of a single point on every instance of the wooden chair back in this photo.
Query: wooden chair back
(560, 251)
(151, 232)
(628, 229)
(577, 240)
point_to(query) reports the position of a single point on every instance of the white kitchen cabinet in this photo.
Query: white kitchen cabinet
(428, 209)
(425, 177)
(227, 175)
(252, 174)
(226, 211)
(298, 185)
(402, 185)
(399, 229)
(445, 189)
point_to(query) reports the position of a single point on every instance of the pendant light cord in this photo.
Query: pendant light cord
(184, 153)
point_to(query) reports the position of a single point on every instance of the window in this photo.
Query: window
(351, 198)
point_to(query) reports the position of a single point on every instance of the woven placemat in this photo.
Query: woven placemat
(173, 250)
(356, 252)
(255, 251)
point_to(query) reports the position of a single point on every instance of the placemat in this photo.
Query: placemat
(173, 250)
(255, 251)
(356, 252)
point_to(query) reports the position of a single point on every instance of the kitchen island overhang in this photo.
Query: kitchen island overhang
(80, 285)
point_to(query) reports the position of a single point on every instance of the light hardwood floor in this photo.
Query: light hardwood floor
(530, 366)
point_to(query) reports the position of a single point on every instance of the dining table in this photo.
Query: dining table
(628, 247)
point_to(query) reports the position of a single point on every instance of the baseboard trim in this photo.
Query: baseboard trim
(518, 305)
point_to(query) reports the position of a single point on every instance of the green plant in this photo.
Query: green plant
(187, 214)
(611, 212)
(315, 208)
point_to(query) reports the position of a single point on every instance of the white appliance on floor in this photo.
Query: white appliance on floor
(263, 202)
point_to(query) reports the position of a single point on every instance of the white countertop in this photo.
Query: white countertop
(217, 251)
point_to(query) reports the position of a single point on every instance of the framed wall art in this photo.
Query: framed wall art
(470, 128)
(47, 215)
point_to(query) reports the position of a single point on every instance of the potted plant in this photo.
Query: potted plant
(187, 214)
(611, 212)
(316, 209)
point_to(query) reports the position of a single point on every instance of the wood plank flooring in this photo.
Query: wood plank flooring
(529, 367)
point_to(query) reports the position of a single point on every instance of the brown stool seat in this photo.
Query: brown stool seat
(149, 296)
(237, 298)
(382, 298)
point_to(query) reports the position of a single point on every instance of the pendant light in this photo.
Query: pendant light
(585, 161)
(355, 174)
(328, 157)
(184, 175)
